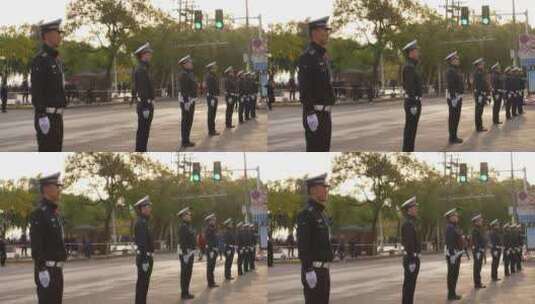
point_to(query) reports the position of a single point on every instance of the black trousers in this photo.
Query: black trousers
(496, 107)
(478, 261)
(143, 125)
(411, 123)
(211, 258)
(186, 269)
(454, 117)
(410, 277)
(246, 258)
(230, 100)
(508, 104)
(496, 253)
(241, 108)
(229, 257)
(514, 102)
(53, 294)
(480, 105)
(507, 261)
(53, 141)
(3, 258)
(187, 121)
(521, 103)
(4, 104)
(519, 260)
(453, 275)
(212, 111)
(252, 258)
(254, 100)
(247, 107)
(241, 254)
(320, 293)
(319, 140)
(143, 278)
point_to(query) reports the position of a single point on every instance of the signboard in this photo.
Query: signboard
(258, 202)
(530, 233)
(259, 54)
(525, 207)
(526, 46)
(259, 214)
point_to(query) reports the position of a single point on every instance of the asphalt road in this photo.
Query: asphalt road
(113, 281)
(113, 128)
(379, 127)
(380, 281)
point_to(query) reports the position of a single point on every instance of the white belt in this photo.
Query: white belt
(320, 265)
(54, 264)
(322, 108)
(148, 253)
(54, 111)
(415, 254)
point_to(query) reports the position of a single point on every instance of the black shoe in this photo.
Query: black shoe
(482, 130)
(228, 279)
(496, 280)
(456, 140)
(507, 274)
(188, 144)
(187, 296)
(454, 297)
(498, 122)
(480, 286)
(230, 127)
(213, 286)
(213, 134)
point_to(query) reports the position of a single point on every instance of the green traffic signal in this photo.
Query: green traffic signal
(465, 13)
(484, 172)
(485, 15)
(217, 171)
(219, 25)
(198, 20)
(463, 173)
(196, 172)
(219, 19)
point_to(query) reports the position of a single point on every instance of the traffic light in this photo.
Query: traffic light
(198, 20)
(485, 15)
(463, 177)
(217, 171)
(219, 19)
(465, 16)
(196, 172)
(484, 172)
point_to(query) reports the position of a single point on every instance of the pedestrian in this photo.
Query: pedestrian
(211, 248)
(229, 241)
(144, 248)
(315, 88)
(24, 245)
(412, 84)
(507, 250)
(48, 91)
(3, 95)
(212, 86)
(496, 248)
(292, 87)
(25, 89)
(254, 238)
(242, 96)
(453, 250)
(478, 249)
(454, 96)
(270, 93)
(186, 252)
(519, 245)
(270, 251)
(241, 247)
(481, 92)
(47, 242)
(144, 96)
(3, 252)
(498, 87)
(230, 95)
(188, 92)
(314, 246)
(412, 248)
(290, 242)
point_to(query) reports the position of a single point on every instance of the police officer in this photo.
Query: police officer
(412, 249)
(210, 234)
(230, 95)
(454, 96)
(315, 88)
(212, 86)
(453, 251)
(247, 247)
(478, 249)
(412, 84)
(519, 244)
(144, 96)
(247, 93)
(313, 242)
(144, 249)
(188, 88)
(229, 238)
(240, 241)
(47, 241)
(254, 92)
(3, 252)
(254, 239)
(519, 86)
(509, 92)
(3, 95)
(240, 93)
(507, 249)
(496, 248)
(48, 89)
(481, 92)
(498, 87)
(186, 251)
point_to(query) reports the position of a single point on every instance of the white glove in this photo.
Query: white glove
(228, 252)
(311, 278)
(145, 267)
(212, 103)
(453, 258)
(44, 124)
(412, 267)
(312, 122)
(211, 254)
(414, 110)
(187, 105)
(146, 114)
(477, 255)
(495, 252)
(44, 278)
(454, 102)
(480, 99)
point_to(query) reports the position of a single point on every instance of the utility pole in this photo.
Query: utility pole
(247, 13)
(513, 191)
